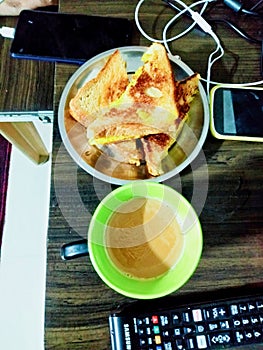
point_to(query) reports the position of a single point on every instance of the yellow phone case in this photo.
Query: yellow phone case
(217, 134)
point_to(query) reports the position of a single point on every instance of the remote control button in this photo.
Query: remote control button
(216, 313)
(252, 307)
(141, 331)
(156, 329)
(139, 322)
(245, 321)
(142, 342)
(190, 343)
(200, 328)
(168, 346)
(237, 322)
(149, 341)
(186, 316)
(239, 337)
(221, 338)
(234, 310)
(243, 308)
(157, 340)
(164, 319)
(224, 324)
(258, 335)
(189, 330)
(197, 315)
(166, 333)
(155, 319)
(178, 331)
(179, 344)
(212, 326)
(259, 305)
(146, 320)
(201, 342)
(255, 320)
(176, 318)
(249, 335)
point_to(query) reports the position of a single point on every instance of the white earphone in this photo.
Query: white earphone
(197, 20)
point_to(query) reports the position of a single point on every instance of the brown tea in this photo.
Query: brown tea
(143, 238)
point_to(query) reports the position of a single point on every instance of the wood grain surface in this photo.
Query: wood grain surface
(25, 85)
(224, 184)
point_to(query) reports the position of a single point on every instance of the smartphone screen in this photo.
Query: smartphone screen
(64, 37)
(237, 112)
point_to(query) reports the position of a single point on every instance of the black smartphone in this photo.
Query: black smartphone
(237, 112)
(71, 38)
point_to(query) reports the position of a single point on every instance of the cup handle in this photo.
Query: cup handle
(74, 250)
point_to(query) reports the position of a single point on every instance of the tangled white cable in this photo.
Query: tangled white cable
(197, 20)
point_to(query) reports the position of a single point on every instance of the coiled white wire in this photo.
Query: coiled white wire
(168, 25)
(197, 20)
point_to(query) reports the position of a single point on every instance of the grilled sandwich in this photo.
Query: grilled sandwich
(136, 121)
(146, 107)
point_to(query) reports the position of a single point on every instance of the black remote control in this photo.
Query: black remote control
(222, 320)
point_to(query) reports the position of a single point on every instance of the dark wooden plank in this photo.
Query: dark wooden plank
(25, 85)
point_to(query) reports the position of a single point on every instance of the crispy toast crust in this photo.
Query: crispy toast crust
(154, 82)
(156, 147)
(100, 91)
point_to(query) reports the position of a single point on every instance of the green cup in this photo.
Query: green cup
(176, 276)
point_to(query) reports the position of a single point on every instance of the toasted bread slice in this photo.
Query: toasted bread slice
(128, 122)
(185, 91)
(155, 150)
(98, 93)
(153, 83)
(124, 152)
(148, 104)
(156, 147)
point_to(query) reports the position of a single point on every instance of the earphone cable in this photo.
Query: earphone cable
(198, 20)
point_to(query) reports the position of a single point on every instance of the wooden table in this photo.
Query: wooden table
(26, 86)
(77, 301)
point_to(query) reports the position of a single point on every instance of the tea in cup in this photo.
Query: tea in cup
(145, 240)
